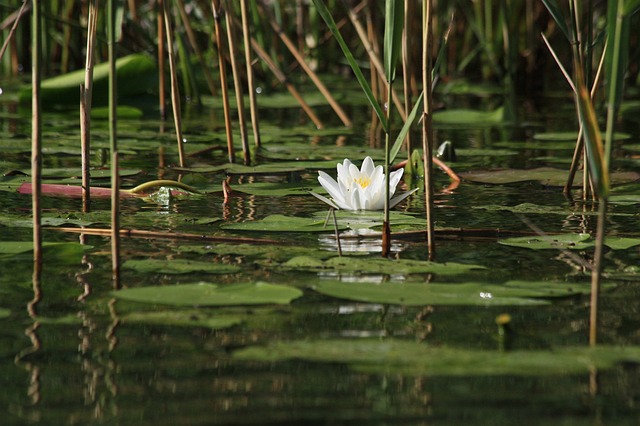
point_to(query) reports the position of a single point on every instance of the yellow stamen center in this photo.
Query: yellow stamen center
(363, 181)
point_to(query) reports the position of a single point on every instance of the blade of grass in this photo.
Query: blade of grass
(328, 19)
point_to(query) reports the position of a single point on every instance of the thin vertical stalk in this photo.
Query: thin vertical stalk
(253, 105)
(216, 9)
(86, 94)
(175, 89)
(113, 143)
(162, 94)
(237, 84)
(36, 137)
(386, 225)
(409, 10)
(427, 129)
(596, 272)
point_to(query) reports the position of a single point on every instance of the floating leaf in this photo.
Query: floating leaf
(191, 318)
(545, 175)
(377, 265)
(4, 313)
(530, 208)
(572, 136)
(413, 358)
(275, 189)
(540, 242)
(178, 266)
(474, 294)
(281, 223)
(136, 76)
(203, 294)
(51, 251)
(469, 117)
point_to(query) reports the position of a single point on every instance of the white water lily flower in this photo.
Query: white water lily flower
(360, 189)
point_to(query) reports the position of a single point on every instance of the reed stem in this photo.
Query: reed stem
(427, 128)
(253, 105)
(36, 137)
(113, 143)
(216, 9)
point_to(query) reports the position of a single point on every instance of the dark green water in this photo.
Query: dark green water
(76, 357)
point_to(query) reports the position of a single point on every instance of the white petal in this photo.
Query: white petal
(331, 186)
(367, 166)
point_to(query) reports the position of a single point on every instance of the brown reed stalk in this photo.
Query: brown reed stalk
(237, 84)
(175, 89)
(427, 128)
(86, 94)
(162, 94)
(216, 9)
(253, 105)
(407, 48)
(194, 45)
(377, 87)
(12, 31)
(307, 69)
(113, 142)
(36, 137)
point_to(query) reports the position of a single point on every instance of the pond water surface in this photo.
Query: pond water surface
(74, 352)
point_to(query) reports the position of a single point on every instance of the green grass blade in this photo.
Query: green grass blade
(328, 19)
(393, 23)
(598, 166)
(405, 129)
(557, 14)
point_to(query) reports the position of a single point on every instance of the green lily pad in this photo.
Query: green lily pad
(178, 266)
(545, 175)
(4, 313)
(136, 74)
(413, 358)
(51, 251)
(572, 136)
(262, 251)
(204, 294)
(377, 265)
(190, 318)
(540, 242)
(275, 189)
(569, 241)
(512, 293)
(239, 169)
(625, 199)
(282, 223)
(469, 117)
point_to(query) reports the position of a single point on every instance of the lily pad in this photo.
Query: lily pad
(51, 251)
(540, 242)
(572, 136)
(4, 313)
(190, 318)
(475, 294)
(377, 265)
(545, 175)
(569, 241)
(469, 117)
(239, 169)
(178, 266)
(413, 358)
(204, 294)
(282, 223)
(275, 189)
